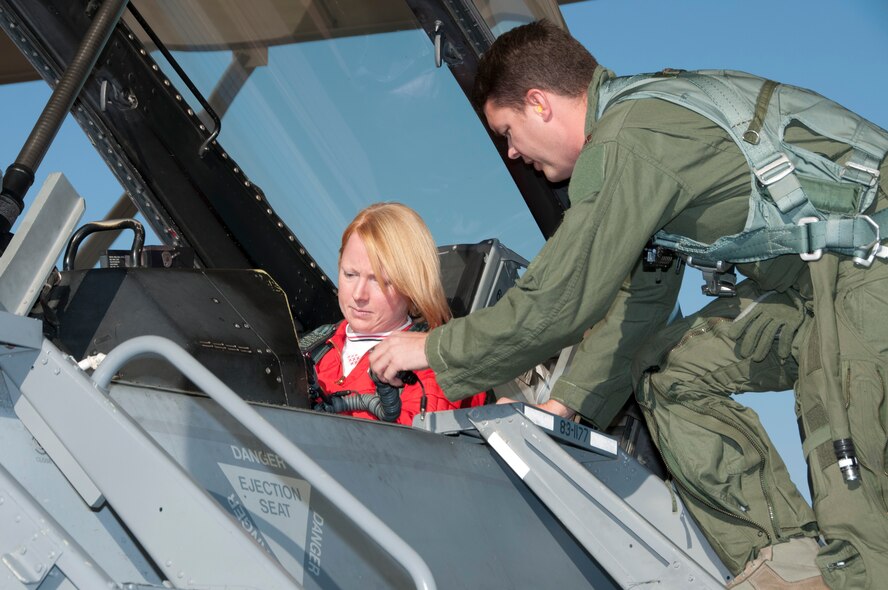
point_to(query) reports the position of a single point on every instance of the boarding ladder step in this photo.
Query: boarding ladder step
(632, 550)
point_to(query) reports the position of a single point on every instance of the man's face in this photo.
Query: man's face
(535, 138)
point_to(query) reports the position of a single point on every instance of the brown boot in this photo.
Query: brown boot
(787, 565)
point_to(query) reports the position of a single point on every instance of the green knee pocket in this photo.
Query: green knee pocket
(682, 430)
(841, 565)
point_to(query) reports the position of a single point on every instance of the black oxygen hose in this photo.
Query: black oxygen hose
(366, 402)
(385, 404)
(390, 396)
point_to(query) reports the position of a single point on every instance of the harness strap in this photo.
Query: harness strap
(751, 135)
(771, 167)
(824, 275)
(783, 219)
(820, 444)
(842, 235)
(316, 343)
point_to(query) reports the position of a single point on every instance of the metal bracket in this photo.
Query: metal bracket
(111, 95)
(721, 278)
(873, 247)
(36, 246)
(33, 545)
(27, 552)
(439, 41)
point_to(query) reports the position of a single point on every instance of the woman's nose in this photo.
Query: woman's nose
(360, 291)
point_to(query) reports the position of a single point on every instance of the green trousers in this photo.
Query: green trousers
(729, 474)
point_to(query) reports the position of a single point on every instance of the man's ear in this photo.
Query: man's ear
(538, 101)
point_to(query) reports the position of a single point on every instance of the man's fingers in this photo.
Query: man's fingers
(386, 361)
(556, 407)
(380, 365)
(401, 351)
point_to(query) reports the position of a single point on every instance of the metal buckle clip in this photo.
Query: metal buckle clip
(873, 246)
(774, 170)
(874, 174)
(816, 254)
(721, 280)
(751, 136)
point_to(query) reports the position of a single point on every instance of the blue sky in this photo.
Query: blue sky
(836, 48)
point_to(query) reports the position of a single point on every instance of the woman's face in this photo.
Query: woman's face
(368, 302)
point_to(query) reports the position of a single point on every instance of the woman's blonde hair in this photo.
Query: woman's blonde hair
(400, 247)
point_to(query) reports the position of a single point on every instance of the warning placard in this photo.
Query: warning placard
(280, 501)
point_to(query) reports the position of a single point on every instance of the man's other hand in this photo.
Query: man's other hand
(552, 406)
(401, 351)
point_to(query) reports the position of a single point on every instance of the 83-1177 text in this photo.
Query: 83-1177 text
(577, 432)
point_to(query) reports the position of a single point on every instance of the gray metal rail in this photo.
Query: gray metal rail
(368, 522)
(633, 551)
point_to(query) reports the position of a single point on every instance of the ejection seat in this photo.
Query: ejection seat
(235, 322)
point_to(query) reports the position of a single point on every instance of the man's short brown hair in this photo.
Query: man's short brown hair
(536, 55)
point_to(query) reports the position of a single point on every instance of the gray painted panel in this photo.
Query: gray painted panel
(451, 499)
(100, 534)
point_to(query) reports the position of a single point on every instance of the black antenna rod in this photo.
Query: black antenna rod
(20, 174)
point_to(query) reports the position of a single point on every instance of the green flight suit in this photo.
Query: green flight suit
(648, 165)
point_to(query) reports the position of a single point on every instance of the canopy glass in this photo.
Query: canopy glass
(329, 107)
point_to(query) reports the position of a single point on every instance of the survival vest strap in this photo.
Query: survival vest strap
(316, 343)
(800, 202)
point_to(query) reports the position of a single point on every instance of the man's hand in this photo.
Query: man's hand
(552, 406)
(773, 316)
(401, 351)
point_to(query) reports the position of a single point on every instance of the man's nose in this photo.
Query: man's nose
(513, 153)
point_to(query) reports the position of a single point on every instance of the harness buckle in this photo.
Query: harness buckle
(874, 174)
(775, 170)
(721, 279)
(873, 247)
(816, 254)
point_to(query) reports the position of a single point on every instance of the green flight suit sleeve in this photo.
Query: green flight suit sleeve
(618, 200)
(599, 381)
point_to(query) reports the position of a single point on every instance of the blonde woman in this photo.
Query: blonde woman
(389, 280)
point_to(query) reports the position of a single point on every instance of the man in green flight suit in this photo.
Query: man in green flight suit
(642, 166)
